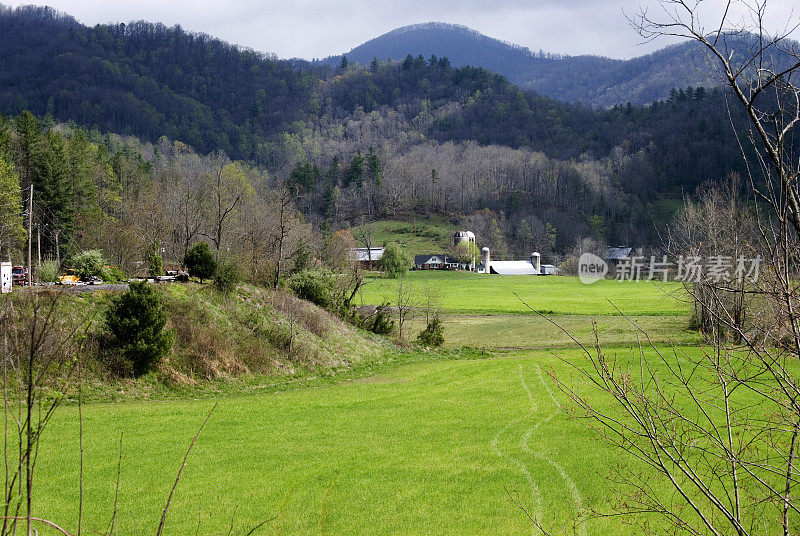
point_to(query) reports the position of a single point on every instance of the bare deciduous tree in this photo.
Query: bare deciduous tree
(716, 429)
(228, 187)
(365, 234)
(405, 305)
(760, 68)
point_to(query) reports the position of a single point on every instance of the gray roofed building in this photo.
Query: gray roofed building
(366, 254)
(616, 254)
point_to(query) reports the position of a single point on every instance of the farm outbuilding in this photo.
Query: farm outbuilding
(529, 267)
(613, 256)
(367, 257)
(435, 262)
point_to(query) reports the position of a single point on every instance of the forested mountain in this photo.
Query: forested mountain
(146, 79)
(152, 81)
(590, 79)
(390, 139)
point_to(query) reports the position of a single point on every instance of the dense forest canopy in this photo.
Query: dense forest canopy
(352, 143)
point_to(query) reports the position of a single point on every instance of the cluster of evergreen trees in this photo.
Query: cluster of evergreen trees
(72, 179)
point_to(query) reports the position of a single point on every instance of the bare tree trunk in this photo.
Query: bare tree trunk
(285, 215)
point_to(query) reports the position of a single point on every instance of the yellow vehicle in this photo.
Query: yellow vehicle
(69, 278)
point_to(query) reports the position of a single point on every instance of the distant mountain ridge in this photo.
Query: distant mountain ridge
(590, 79)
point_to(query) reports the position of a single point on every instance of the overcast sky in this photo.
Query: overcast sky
(319, 28)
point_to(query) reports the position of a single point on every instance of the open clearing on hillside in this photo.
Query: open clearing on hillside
(418, 237)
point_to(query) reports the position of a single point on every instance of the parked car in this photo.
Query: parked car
(69, 278)
(19, 275)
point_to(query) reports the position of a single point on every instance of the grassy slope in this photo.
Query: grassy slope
(417, 237)
(236, 343)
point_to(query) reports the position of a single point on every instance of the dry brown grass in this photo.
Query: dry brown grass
(200, 349)
(311, 317)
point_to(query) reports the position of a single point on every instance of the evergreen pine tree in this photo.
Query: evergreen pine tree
(12, 231)
(374, 168)
(53, 190)
(30, 141)
(135, 322)
(355, 175)
(155, 264)
(200, 261)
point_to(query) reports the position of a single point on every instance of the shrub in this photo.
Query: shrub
(155, 264)
(113, 274)
(227, 277)
(47, 272)
(200, 261)
(395, 262)
(569, 266)
(433, 334)
(89, 263)
(135, 321)
(313, 286)
(379, 322)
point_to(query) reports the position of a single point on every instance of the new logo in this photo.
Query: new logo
(591, 268)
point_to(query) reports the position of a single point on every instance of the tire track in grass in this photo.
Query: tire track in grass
(573, 488)
(536, 493)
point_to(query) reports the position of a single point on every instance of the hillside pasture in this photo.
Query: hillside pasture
(432, 235)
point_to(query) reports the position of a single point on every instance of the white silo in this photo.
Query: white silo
(486, 259)
(466, 237)
(536, 261)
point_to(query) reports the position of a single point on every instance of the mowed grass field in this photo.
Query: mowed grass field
(433, 447)
(557, 331)
(480, 294)
(488, 311)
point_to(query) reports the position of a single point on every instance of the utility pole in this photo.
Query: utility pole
(39, 245)
(30, 233)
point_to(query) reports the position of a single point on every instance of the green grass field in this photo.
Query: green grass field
(433, 446)
(469, 293)
(430, 448)
(486, 310)
(534, 332)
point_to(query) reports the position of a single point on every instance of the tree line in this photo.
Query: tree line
(352, 142)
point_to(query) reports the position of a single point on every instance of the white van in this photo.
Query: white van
(5, 277)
